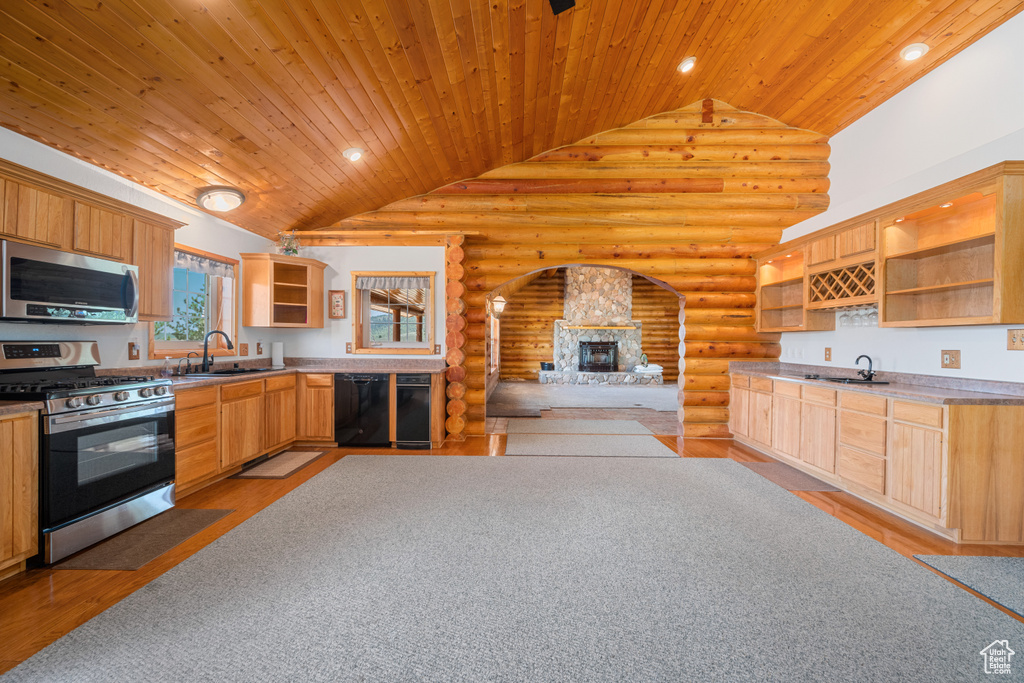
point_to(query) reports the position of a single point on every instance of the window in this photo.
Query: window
(203, 300)
(394, 312)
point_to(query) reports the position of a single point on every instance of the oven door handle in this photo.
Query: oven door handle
(65, 423)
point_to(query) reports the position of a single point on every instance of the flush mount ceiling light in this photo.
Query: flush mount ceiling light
(353, 154)
(914, 51)
(687, 64)
(220, 198)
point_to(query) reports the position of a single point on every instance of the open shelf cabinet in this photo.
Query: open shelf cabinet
(780, 300)
(282, 291)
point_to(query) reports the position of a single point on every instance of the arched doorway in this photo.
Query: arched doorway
(556, 315)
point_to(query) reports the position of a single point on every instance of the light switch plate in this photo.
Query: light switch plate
(243, 349)
(1015, 340)
(828, 353)
(133, 350)
(259, 348)
(951, 359)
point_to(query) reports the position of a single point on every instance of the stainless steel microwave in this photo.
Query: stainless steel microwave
(46, 285)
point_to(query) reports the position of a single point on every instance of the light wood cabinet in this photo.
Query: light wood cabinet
(241, 430)
(35, 216)
(818, 436)
(19, 490)
(153, 253)
(917, 473)
(739, 405)
(786, 430)
(282, 291)
(102, 232)
(821, 251)
(759, 422)
(279, 412)
(196, 435)
(316, 407)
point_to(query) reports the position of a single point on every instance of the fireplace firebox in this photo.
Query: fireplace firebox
(599, 356)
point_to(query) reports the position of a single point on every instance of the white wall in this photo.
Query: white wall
(201, 231)
(966, 115)
(341, 261)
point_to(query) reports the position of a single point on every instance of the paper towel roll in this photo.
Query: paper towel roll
(277, 354)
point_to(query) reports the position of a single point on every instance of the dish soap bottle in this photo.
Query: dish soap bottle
(167, 370)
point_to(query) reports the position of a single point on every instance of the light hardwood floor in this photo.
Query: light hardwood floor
(40, 606)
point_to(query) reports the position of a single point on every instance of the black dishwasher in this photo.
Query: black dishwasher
(412, 418)
(361, 410)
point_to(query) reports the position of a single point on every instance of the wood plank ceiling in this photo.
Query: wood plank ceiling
(264, 95)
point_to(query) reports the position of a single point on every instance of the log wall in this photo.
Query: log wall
(658, 310)
(527, 326)
(686, 197)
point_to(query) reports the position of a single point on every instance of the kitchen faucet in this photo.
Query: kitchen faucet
(208, 360)
(868, 374)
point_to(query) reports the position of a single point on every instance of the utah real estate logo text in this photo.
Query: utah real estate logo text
(997, 657)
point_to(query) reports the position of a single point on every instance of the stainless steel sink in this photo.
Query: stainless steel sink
(227, 371)
(851, 380)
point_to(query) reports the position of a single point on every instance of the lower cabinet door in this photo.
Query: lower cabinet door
(916, 468)
(241, 424)
(19, 488)
(759, 427)
(786, 432)
(195, 463)
(280, 417)
(818, 436)
(738, 411)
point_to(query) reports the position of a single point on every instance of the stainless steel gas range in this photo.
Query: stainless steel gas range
(106, 459)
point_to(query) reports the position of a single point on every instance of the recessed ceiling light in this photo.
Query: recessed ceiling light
(914, 51)
(789, 256)
(687, 64)
(946, 205)
(220, 198)
(353, 154)
(769, 261)
(900, 220)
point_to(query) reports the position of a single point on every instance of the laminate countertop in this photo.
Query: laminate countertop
(381, 367)
(15, 407)
(895, 389)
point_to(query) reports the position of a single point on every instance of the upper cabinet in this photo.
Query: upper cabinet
(282, 291)
(34, 215)
(102, 232)
(946, 256)
(153, 253)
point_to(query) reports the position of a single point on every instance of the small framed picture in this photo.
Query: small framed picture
(336, 304)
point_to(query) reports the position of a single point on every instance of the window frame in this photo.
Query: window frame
(181, 349)
(358, 314)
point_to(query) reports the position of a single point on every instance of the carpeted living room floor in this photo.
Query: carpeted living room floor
(543, 569)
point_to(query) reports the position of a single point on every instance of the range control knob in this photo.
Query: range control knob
(121, 396)
(94, 400)
(145, 393)
(75, 402)
(160, 391)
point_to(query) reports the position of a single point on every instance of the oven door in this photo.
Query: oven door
(91, 461)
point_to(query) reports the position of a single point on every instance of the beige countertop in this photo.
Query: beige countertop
(342, 366)
(910, 391)
(14, 407)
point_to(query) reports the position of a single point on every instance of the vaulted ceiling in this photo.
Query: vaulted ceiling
(264, 95)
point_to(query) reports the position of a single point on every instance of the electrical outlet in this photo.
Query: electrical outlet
(951, 359)
(243, 349)
(133, 350)
(348, 347)
(437, 349)
(828, 353)
(1015, 340)
(259, 348)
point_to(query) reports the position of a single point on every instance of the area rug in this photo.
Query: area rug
(789, 478)
(450, 568)
(281, 466)
(559, 426)
(144, 542)
(498, 410)
(606, 445)
(1000, 579)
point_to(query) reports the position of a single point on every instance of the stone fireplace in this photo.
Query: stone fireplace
(597, 315)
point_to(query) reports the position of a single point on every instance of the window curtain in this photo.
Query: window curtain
(201, 264)
(392, 282)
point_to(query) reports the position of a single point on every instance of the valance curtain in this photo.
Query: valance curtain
(200, 264)
(392, 282)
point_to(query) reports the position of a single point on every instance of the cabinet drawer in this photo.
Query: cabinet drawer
(929, 416)
(241, 390)
(790, 389)
(279, 383)
(865, 403)
(740, 381)
(821, 250)
(319, 380)
(820, 395)
(195, 397)
(862, 431)
(760, 383)
(194, 425)
(861, 468)
(196, 463)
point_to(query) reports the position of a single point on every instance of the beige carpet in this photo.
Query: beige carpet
(607, 445)
(143, 543)
(558, 426)
(281, 466)
(788, 477)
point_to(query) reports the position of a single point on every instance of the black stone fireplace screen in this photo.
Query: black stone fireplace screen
(599, 356)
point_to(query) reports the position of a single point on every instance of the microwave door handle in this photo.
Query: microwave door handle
(134, 308)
